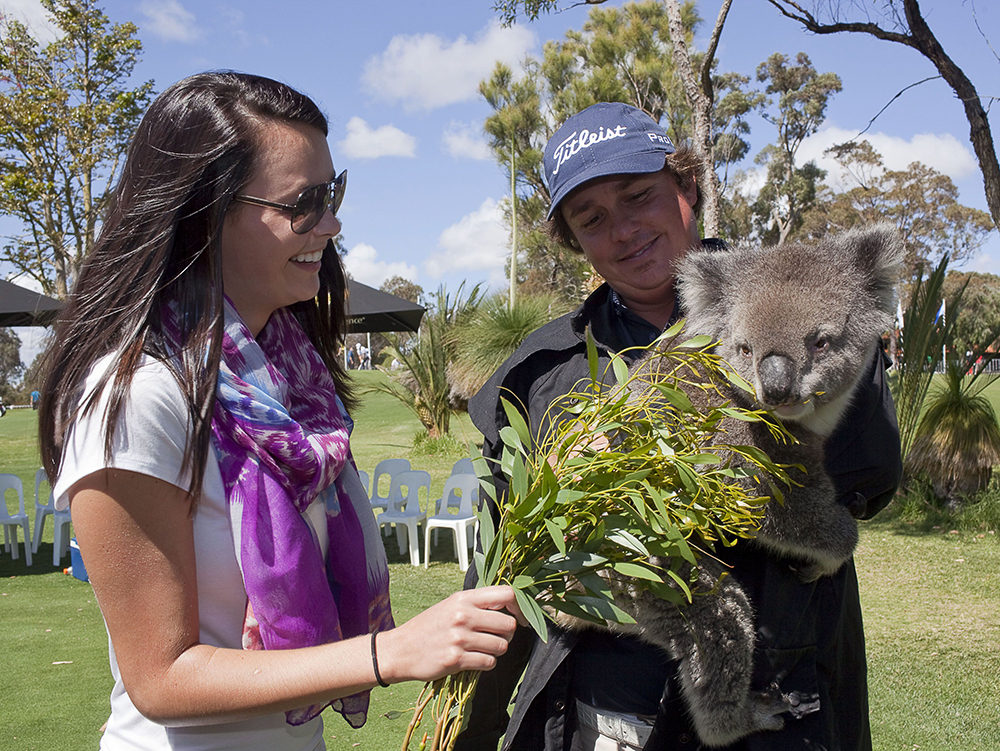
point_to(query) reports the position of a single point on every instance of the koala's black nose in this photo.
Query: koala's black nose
(777, 378)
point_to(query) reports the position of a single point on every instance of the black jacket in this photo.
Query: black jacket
(810, 636)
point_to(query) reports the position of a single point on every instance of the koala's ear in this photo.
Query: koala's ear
(878, 251)
(701, 280)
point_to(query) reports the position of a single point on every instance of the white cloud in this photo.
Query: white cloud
(477, 242)
(425, 71)
(363, 142)
(944, 152)
(32, 15)
(170, 21)
(364, 265)
(462, 141)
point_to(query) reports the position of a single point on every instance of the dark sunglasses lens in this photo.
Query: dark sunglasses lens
(309, 208)
(339, 188)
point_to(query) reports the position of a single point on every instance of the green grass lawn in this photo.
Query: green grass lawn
(931, 602)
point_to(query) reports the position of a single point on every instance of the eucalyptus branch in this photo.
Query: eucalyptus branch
(634, 478)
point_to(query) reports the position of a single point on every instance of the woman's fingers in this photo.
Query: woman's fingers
(466, 631)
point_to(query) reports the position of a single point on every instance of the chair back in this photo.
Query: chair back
(41, 476)
(463, 467)
(404, 495)
(11, 482)
(390, 468)
(460, 491)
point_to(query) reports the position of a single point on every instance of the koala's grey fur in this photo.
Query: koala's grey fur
(801, 323)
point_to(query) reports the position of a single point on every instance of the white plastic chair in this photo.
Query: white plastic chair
(390, 468)
(404, 509)
(463, 467)
(61, 518)
(11, 522)
(462, 489)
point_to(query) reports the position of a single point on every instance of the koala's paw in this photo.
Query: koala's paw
(760, 712)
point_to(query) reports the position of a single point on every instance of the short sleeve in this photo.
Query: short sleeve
(149, 438)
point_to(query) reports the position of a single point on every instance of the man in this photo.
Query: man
(626, 198)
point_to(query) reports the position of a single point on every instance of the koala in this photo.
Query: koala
(801, 323)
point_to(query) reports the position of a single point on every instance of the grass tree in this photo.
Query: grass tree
(949, 430)
(493, 332)
(958, 440)
(922, 340)
(421, 382)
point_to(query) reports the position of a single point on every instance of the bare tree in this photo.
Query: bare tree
(904, 23)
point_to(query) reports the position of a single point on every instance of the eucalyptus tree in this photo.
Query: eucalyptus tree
(801, 96)
(919, 200)
(67, 110)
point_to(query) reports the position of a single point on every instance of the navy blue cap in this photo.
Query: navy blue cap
(609, 138)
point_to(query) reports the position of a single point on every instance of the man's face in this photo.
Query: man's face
(633, 229)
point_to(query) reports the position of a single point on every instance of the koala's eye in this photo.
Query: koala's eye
(745, 350)
(822, 344)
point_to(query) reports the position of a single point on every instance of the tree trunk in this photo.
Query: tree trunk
(702, 101)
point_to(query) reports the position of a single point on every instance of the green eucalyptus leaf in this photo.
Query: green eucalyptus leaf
(636, 571)
(671, 332)
(628, 540)
(516, 420)
(592, 357)
(675, 396)
(511, 439)
(620, 369)
(696, 342)
(701, 459)
(533, 613)
(556, 534)
(570, 607)
(605, 609)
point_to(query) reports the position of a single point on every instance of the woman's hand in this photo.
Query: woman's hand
(467, 631)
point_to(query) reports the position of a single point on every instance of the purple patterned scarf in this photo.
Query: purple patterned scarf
(281, 436)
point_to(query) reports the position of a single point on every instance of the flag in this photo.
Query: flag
(940, 313)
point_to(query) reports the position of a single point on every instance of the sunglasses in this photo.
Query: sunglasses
(311, 205)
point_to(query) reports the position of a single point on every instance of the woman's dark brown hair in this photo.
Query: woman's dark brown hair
(197, 146)
(684, 165)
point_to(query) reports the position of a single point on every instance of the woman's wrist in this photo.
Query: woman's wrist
(375, 667)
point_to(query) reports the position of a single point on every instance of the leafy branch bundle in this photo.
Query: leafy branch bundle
(630, 472)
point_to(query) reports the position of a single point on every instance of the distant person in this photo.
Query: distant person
(35, 396)
(3, 409)
(194, 414)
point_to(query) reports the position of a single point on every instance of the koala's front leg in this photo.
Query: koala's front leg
(811, 527)
(713, 640)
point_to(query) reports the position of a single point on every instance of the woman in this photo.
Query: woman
(195, 416)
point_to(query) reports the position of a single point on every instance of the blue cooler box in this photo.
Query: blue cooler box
(76, 561)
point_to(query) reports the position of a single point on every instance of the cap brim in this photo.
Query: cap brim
(632, 164)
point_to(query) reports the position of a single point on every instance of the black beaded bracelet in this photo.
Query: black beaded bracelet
(378, 677)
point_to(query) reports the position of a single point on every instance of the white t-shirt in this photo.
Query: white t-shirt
(150, 438)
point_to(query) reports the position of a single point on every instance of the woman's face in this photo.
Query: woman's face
(633, 229)
(266, 266)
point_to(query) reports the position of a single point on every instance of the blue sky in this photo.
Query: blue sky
(398, 82)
